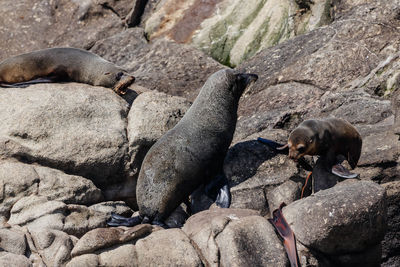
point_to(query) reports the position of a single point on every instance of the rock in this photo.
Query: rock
(12, 241)
(277, 107)
(10, 259)
(134, 16)
(53, 246)
(252, 168)
(21, 179)
(124, 255)
(286, 193)
(126, 47)
(84, 260)
(118, 207)
(81, 219)
(232, 31)
(347, 218)
(151, 116)
(257, 236)
(369, 257)
(167, 248)
(37, 212)
(77, 128)
(204, 227)
(54, 23)
(70, 189)
(17, 180)
(391, 242)
(161, 65)
(106, 237)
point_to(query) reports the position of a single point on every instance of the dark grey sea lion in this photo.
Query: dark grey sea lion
(63, 64)
(191, 153)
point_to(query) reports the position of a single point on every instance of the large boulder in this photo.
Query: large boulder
(347, 218)
(77, 128)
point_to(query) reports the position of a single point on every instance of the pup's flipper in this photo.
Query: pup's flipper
(344, 173)
(118, 220)
(218, 189)
(284, 149)
(274, 145)
(289, 240)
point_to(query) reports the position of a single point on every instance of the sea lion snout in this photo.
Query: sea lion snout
(124, 81)
(243, 81)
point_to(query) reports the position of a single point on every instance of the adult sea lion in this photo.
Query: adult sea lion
(63, 64)
(334, 139)
(191, 153)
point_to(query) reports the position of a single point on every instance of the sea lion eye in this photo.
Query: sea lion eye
(301, 149)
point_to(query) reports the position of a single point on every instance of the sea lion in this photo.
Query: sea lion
(334, 139)
(191, 153)
(63, 64)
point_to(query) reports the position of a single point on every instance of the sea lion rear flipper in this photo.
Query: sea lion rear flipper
(27, 83)
(342, 172)
(118, 220)
(289, 240)
(218, 189)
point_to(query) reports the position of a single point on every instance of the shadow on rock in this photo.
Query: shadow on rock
(243, 160)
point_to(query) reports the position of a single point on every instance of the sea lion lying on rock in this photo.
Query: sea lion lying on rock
(191, 153)
(63, 64)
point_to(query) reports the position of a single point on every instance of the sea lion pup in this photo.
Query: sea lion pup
(63, 64)
(334, 139)
(191, 153)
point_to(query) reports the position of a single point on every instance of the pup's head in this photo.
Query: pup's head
(302, 141)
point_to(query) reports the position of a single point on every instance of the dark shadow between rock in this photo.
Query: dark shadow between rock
(244, 158)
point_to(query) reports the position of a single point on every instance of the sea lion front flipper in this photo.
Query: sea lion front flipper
(218, 189)
(274, 145)
(284, 149)
(118, 220)
(344, 173)
(286, 233)
(224, 197)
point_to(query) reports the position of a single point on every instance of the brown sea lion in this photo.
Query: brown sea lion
(63, 64)
(334, 139)
(191, 153)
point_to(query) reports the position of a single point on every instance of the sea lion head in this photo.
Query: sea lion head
(242, 81)
(227, 82)
(119, 81)
(302, 141)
